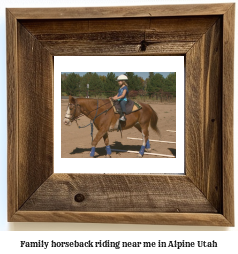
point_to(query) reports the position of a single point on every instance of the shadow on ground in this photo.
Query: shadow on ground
(101, 151)
(173, 151)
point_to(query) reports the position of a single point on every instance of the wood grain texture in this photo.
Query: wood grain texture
(189, 26)
(12, 116)
(204, 114)
(118, 193)
(119, 36)
(227, 113)
(121, 12)
(35, 133)
(71, 48)
(191, 219)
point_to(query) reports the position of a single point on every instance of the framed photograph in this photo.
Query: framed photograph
(72, 139)
(199, 191)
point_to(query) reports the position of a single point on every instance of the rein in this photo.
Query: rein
(91, 121)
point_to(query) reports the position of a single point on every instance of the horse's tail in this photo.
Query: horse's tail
(153, 122)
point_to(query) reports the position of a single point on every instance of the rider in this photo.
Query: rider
(122, 94)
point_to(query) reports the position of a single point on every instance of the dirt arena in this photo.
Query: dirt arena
(76, 143)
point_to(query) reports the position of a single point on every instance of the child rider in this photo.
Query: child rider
(122, 95)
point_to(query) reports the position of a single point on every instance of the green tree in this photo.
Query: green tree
(170, 83)
(95, 84)
(134, 81)
(110, 86)
(103, 79)
(63, 76)
(155, 83)
(70, 84)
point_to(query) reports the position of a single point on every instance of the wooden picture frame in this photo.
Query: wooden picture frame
(204, 34)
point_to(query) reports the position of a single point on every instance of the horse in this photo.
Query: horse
(102, 115)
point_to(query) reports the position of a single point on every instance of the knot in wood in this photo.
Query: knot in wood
(143, 45)
(79, 198)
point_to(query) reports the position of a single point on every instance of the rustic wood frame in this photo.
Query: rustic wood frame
(204, 34)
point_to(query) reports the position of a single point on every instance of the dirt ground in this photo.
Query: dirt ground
(76, 143)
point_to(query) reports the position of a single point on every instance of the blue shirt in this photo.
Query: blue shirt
(120, 92)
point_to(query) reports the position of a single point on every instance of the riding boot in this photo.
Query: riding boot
(122, 116)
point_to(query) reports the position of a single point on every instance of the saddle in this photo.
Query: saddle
(131, 106)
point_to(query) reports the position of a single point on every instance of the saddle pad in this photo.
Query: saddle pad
(131, 106)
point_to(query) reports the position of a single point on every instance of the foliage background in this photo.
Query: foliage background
(155, 86)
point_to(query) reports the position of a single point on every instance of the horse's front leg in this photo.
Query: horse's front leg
(95, 141)
(108, 149)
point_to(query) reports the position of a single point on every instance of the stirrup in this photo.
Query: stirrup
(122, 118)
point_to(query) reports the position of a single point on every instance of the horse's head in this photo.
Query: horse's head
(73, 111)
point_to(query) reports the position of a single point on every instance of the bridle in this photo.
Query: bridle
(73, 115)
(78, 105)
(91, 121)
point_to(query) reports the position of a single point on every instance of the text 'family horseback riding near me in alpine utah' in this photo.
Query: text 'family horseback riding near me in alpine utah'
(123, 111)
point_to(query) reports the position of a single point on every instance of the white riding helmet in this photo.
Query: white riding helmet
(122, 77)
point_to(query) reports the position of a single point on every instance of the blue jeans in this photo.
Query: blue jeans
(123, 106)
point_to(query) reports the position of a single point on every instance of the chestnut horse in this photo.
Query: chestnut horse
(103, 117)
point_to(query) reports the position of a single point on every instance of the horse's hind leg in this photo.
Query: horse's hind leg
(147, 146)
(145, 135)
(108, 149)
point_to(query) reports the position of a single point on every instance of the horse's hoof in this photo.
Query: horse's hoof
(91, 157)
(148, 149)
(108, 156)
(139, 155)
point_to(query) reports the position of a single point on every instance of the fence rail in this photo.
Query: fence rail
(133, 94)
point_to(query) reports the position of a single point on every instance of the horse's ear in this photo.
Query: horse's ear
(71, 99)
